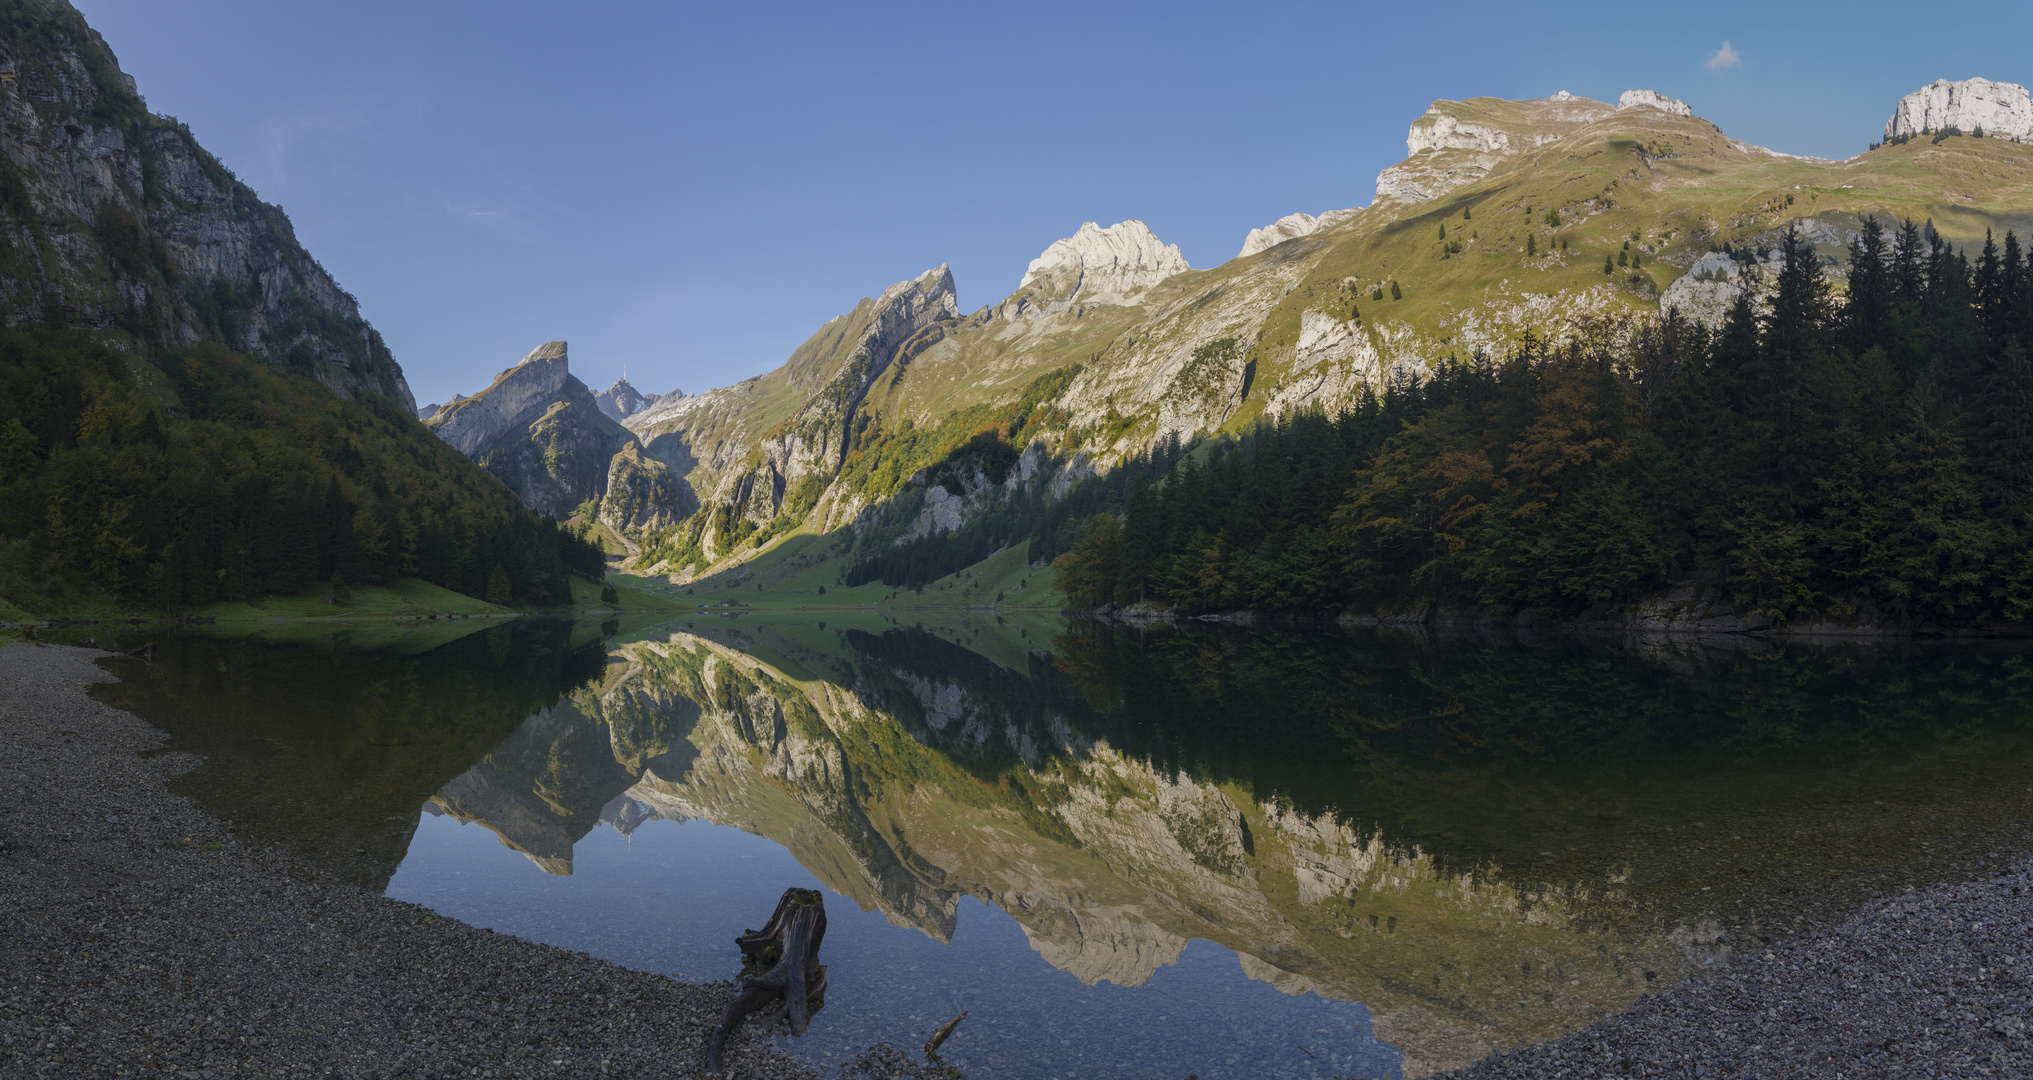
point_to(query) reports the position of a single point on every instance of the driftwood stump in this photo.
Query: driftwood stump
(783, 958)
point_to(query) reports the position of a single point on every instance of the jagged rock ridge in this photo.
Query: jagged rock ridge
(623, 400)
(542, 432)
(1104, 266)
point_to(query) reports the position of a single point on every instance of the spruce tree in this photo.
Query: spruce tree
(1395, 293)
(1531, 245)
(1609, 264)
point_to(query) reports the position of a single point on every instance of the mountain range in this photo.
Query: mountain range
(1498, 228)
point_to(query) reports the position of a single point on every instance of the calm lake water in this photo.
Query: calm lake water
(1241, 853)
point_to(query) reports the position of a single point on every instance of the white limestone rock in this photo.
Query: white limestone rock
(1652, 99)
(1291, 227)
(1439, 130)
(1446, 152)
(2002, 109)
(1108, 265)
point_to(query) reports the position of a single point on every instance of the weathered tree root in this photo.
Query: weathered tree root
(790, 944)
(939, 1038)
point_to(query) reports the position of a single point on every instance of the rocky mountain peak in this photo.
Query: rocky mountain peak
(1107, 265)
(477, 422)
(1652, 99)
(929, 295)
(623, 400)
(2001, 109)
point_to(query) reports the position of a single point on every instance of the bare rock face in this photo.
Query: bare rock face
(1291, 227)
(541, 432)
(1110, 265)
(1652, 99)
(1456, 143)
(623, 400)
(2001, 109)
(474, 425)
(119, 222)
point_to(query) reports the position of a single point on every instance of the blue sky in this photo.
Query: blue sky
(693, 189)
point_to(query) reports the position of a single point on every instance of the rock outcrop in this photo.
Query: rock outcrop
(1456, 143)
(1652, 99)
(516, 397)
(1291, 227)
(1106, 266)
(539, 430)
(623, 400)
(117, 221)
(2001, 109)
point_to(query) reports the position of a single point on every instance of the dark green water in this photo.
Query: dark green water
(1478, 841)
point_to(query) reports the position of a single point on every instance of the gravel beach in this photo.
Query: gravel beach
(137, 938)
(1934, 983)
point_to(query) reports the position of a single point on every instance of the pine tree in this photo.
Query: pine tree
(1623, 258)
(1531, 245)
(497, 586)
(1395, 293)
(1609, 264)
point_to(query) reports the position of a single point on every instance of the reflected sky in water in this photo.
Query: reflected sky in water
(1135, 853)
(655, 898)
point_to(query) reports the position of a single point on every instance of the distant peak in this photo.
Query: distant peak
(549, 350)
(932, 289)
(1109, 264)
(1652, 99)
(2001, 109)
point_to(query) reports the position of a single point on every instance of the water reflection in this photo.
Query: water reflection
(1482, 841)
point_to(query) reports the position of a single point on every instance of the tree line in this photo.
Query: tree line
(1864, 454)
(213, 477)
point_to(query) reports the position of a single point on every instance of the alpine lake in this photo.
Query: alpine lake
(1125, 853)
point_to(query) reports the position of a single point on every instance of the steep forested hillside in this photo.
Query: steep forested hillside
(1862, 458)
(190, 408)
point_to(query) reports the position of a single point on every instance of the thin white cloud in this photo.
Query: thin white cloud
(1724, 59)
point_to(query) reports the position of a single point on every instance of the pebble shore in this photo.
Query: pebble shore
(137, 938)
(1933, 983)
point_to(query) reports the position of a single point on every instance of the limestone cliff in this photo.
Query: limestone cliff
(1291, 227)
(2001, 109)
(1457, 143)
(542, 432)
(116, 220)
(737, 450)
(1106, 266)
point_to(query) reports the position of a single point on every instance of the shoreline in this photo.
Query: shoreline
(1935, 982)
(139, 938)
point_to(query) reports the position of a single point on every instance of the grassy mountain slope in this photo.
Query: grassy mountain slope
(1496, 231)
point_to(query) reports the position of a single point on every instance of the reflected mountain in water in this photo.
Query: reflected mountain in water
(1483, 844)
